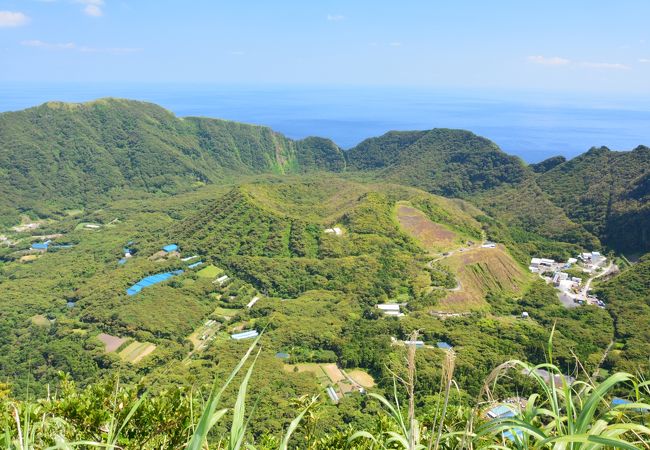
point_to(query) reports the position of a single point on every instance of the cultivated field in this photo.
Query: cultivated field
(480, 271)
(330, 375)
(135, 351)
(112, 343)
(362, 378)
(430, 235)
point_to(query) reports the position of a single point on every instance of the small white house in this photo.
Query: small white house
(488, 244)
(560, 276)
(221, 280)
(252, 302)
(535, 262)
(336, 230)
(388, 307)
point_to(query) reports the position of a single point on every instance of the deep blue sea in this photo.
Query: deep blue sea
(532, 125)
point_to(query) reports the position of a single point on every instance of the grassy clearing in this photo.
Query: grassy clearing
(226, 312)
(430, 235)
(136, 351)
(88, 226)
(40, 320)
(480, 271)
(209, 272)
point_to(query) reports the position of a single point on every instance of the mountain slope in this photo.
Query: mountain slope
(457, 163)
(78, 154)
(607, 192)
(453, 163)
(628, 301)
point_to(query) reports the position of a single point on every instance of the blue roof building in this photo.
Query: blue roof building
(245, 335)
(444, 345)
(150, 281)
(170, 248)
(40, 246)
(196, 264)
(511, 436)
(499, 412)
(282, 355)
(616, 401)
(620, 401)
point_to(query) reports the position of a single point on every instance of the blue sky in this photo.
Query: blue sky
(596, 46)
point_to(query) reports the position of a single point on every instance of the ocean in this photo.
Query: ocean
(531, 125)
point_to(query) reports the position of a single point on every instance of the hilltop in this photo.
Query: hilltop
(75, 155)
(607, 192)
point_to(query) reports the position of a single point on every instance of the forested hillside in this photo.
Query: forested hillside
(75, 155)
(607, 192)
(80, 155)
(628, 297)
(453, 163)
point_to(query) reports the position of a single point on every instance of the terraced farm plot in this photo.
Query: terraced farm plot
(478, 272)
(331, 375)
(362, 378)
(313, 368)
(136, 351)
(430, 235)
(111, 343)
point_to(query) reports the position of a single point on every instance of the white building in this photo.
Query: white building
(388, 307)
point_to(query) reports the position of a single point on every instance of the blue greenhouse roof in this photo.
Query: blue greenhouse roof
(150, 281)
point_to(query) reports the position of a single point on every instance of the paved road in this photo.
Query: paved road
(585, 290)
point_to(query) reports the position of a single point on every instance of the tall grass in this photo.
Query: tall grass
(559, 414)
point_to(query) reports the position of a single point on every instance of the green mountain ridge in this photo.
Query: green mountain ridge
(84, 155)
(606, 192)
(79, 154)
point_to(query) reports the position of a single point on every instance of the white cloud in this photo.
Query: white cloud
(395, 44)
(92, 8)
(335, 17)
(237, 52)
(80, 48)
(111, 50)
(49, 45)
(605, 65)
(558, 61)
(549, 60)
(12, 19)
(644, 60)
